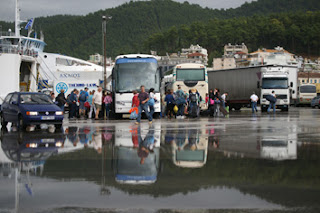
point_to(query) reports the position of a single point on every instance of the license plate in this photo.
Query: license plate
(47, 118)
(47, 140)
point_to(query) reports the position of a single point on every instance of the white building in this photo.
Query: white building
(278, 56)
(196, 52)
(230, 49)
(224, 63)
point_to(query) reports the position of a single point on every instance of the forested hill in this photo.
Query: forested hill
(134, 22)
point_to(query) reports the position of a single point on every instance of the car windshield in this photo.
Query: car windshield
(35, 99)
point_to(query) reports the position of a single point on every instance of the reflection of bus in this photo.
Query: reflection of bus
(306, 93)
(128, 155)
(190, 148)
(128, 74)
(188, 76)
(278, 149)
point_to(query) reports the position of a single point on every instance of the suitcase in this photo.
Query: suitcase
(223, 111)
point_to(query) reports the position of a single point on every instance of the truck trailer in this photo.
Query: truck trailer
(240, 83)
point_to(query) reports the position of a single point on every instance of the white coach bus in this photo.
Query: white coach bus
(188, 76)
(129, 73)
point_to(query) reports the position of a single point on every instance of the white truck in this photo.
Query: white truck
(275, 79)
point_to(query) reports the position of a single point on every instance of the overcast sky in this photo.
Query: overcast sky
(36, 8)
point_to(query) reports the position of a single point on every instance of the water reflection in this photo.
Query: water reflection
(137, 161)
(165, 164)
(189, 148)
(23, 155)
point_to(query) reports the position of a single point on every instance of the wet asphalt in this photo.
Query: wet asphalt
(240, 163)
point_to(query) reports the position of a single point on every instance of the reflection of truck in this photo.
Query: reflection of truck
(278, 149)
(306, 93)
(275, 79)
(240, 83)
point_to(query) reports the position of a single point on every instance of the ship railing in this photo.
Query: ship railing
(6, 33)
(14, 49)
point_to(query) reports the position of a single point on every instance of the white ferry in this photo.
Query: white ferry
(24, 66)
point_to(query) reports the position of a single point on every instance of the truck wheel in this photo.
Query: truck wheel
(237, 108)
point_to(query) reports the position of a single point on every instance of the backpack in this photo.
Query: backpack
(193, 98)
(271, 98)
(83, 97)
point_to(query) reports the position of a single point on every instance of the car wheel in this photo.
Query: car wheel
(319, 106)
(3, 122)
(21, 123)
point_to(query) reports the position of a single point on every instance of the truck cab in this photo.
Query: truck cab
(275, 79)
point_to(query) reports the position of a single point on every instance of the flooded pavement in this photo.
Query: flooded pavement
(243, 163)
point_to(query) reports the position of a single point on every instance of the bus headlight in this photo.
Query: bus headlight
(285, 100)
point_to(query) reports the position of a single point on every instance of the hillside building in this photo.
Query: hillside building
(308, 78)
(193, 54)
(278, 56)
(234, 56)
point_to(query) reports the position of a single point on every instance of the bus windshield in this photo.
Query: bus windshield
(308, 89)
(274, 83)
(190, 74)
(128, 163)
(130, 76)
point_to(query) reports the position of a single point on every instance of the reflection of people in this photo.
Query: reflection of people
(83, 137)
(192, 140)
(97, 142)
(135, 138)
(72, 135)
(146, 145)
(180, 137)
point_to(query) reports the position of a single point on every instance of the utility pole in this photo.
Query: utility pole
(104, 31)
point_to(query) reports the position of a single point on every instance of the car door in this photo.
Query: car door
(5, 107)
(13, 107)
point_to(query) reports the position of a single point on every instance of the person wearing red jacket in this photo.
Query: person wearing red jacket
(135, 99)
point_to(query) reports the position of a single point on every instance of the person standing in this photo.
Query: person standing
(61, 99)
(143, 105)
(92, 108)
(170, 103)
(82, 99)
(217, 102)
(107, 101)
(211, 103)
(97, 101)
(180, 100)
(224, 97)
(152, 100)
(273, 103)
(73, 103)
(135, 99)
(254, 100)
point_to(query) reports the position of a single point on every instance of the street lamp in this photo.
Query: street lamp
(104, 30)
